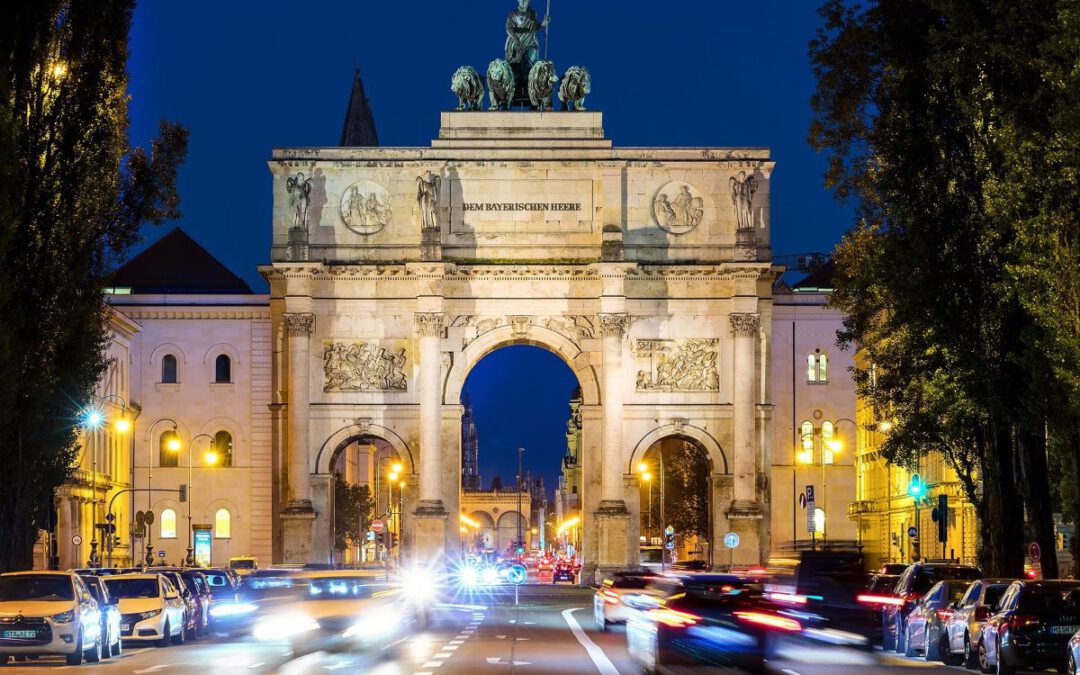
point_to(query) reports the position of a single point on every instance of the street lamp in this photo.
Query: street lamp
(211, 457)
(647, 475)
(93, 420)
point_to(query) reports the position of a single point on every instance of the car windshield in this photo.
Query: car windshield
(331, 588)
(242, 564)
(1050, 599)
(925, 578)
(220, 584)
(132, 588)
(196, 582)
(36, 587)
(633, 582)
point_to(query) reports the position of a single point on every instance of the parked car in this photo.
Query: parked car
(912, 585)
(1031, 627)
(925, 630)
(1073, 665)
(47, 613)
(110, 615)
(243, 565)
(151, 609)
(621, 594)
(204, 601)
(893, 569)
(713, 621)
(191, 602)
(964, 628)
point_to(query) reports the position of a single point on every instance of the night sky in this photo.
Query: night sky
(245, 76)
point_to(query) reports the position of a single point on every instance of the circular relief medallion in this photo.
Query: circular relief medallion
(365, 207)
(678, 208)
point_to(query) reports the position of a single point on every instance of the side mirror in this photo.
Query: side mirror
(171, 596)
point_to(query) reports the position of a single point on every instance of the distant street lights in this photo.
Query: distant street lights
(643, 469)
(210, 458)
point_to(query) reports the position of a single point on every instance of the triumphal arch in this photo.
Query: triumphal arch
(395, 270)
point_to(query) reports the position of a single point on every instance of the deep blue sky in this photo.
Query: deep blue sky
(248, 75)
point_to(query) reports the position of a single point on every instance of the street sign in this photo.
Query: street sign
(802, 500)
(811, 525)
(376, 526)
(669, 530)
(76, 540)
(731, 540)
(670, 546)
(140, 518)
(370, 535)
(161, 554)
(149, 515)
(517, 575)
(1035, 551)
(913, 532)
(110, 517)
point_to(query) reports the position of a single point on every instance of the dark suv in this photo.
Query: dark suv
(1031, 627)
(913, 584)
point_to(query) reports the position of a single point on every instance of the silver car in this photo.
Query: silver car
(43, 613)
(964, 627)
(925, 630)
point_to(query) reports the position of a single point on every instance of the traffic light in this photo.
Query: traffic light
(183, 492)
(943, 518)
(915, 486)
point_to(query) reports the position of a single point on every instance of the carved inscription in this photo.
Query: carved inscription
(679, 365)
(354, 366)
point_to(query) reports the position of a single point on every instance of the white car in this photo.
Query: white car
(46, 613)
(624, 593)
(151, 609)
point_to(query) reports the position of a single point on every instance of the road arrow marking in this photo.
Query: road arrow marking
(498, 661)
(152, 669)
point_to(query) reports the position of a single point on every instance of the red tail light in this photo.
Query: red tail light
(982, 613)
(871, 599)
(610, 597)
(1020, 620)
(673, 617)
(769, 620)
(944, 614)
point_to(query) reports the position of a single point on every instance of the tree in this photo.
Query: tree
(352, 513)
(686, 498)
(73, 195)
(921, 107)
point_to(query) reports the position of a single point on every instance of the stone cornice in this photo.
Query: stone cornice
(226, 312)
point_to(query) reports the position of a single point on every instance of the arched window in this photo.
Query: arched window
(806, 433)
(223, 448)
(168, 524)
(169, 449)
(223, 368)
(811, 368)
(827, 434)
(168, 369)
(823, 367)
(222, 524)
(817, 367)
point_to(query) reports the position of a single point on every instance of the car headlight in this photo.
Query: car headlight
(418, 584)
(377, 624)
(283, 626)
(149, 615)
(469, 576)
(64, 617)
(232, 609)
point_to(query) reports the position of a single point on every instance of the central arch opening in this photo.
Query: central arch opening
(520, 455)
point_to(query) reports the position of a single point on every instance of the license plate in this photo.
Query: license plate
(126, 627)
(1064, 630)
(20, 633)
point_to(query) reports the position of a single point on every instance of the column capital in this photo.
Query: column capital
(614, 324)
(299, 323)
(745, 324)
(429, 324)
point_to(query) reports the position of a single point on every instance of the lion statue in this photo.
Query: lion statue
(468, 87)
(576, 85)
(501, 83)
(542, 81)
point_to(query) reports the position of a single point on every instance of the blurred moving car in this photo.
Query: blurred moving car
(825, 588)
(926, 623)
(43, 613)
(1031, 627)
(963, 630)
(339, 610)
(151, 609)
(243, 565)
(622, 593)
(110, 615)
(879, 589)
(714, 620)
(913, 584)
(652, 558)
(564, 571)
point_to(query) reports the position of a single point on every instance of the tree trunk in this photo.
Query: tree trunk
(1002, 552)
(1040, 511)
(1074, 543)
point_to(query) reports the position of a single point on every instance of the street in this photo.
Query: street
(549, 630)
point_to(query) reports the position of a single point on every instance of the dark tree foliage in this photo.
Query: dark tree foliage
(686, 488)
(73, 195)
(935, 116)
(352, 513)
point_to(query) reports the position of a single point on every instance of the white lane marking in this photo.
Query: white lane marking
(498, 661)
(443, 654)
(422, 673)
(456, 642)
(500, 637)
(255, 665)
(432, 664)
(599, 658)
(789, 671)
(152, 669)
(449, 648)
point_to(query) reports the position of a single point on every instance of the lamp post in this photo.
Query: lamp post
(93, 420)
(835, 445)
(210, 458)
(520, 534)
(172, 445)
(647, 476)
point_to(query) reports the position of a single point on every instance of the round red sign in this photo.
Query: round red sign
(1035, 552)
(376, 526)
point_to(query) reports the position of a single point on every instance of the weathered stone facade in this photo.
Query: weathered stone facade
(547, 235)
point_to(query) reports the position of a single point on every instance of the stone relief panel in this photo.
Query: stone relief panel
(362, 366)
(679, 365)
(572, 327)
(365, 207)
(678, 207)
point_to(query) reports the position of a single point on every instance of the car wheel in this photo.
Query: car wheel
(75, 659)
(888, 640)
(181, 636)
(1070, 669)
(94, 655)
(118, 647)
(984, 660)
(945, 652)
(1002, 667)
(971, 658)
(164, 641)
(909, 649)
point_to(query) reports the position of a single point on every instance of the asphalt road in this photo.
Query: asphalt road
(548, 630)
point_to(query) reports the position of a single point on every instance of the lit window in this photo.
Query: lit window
(826, 437)
(823, 368)
(223, 369)
(806, 455)
(223, 448)
(222, 524)
(167, 457)
(811, 368)
(168, 369)
(168, 524)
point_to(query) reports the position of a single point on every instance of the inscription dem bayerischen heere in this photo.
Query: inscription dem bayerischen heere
(539, 205)
(520, 206)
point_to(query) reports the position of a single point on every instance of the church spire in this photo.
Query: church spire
(359, 127)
